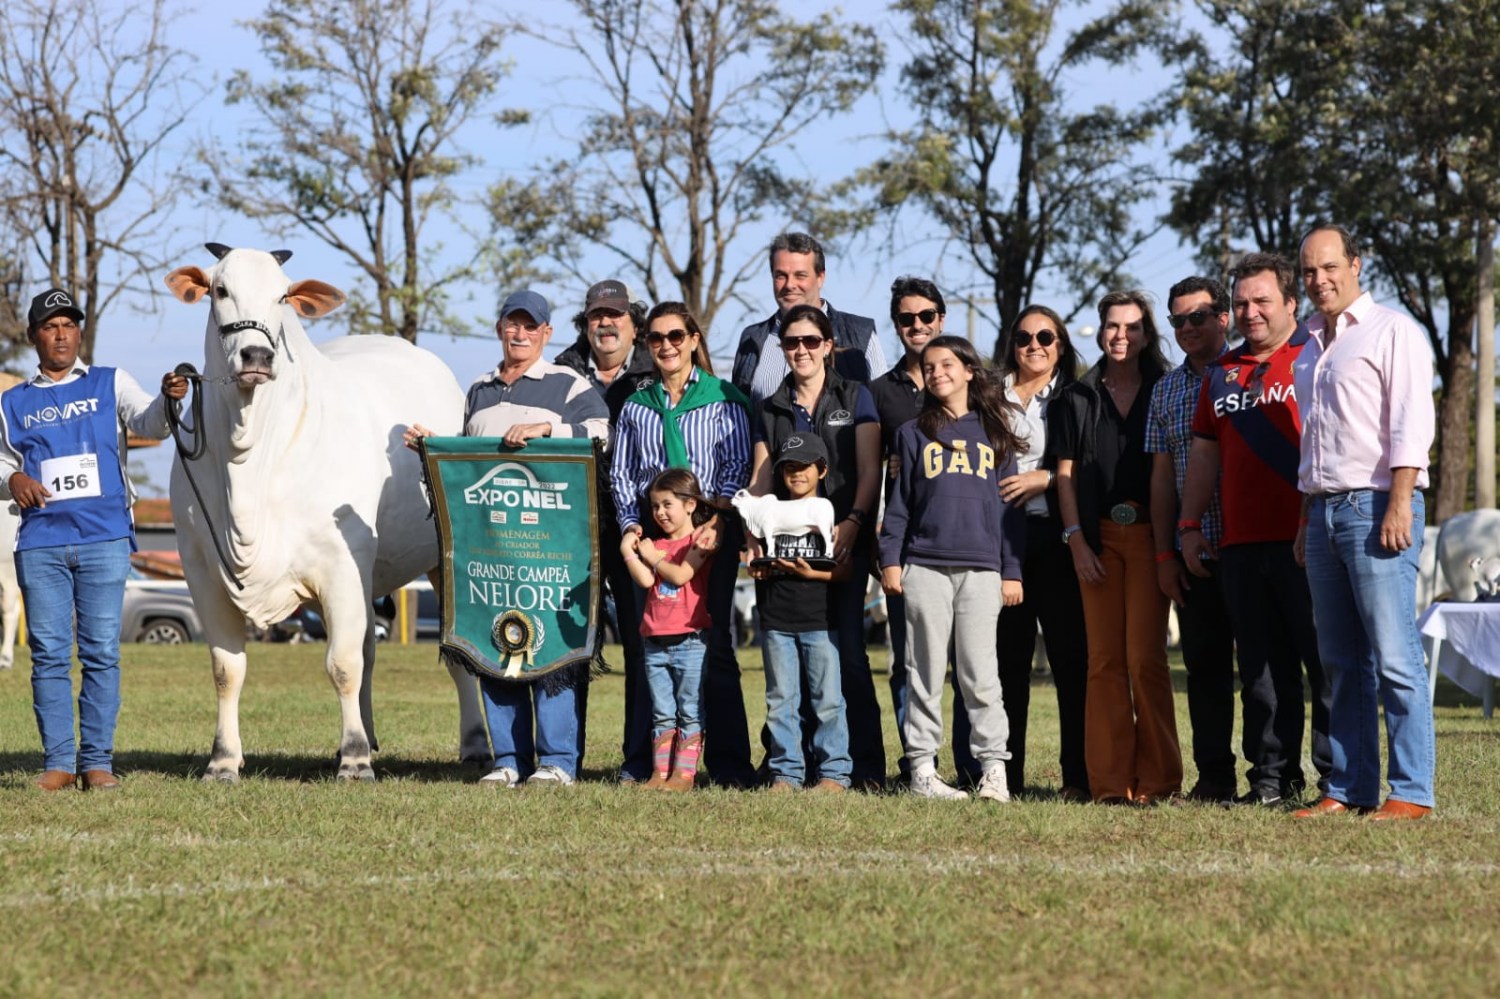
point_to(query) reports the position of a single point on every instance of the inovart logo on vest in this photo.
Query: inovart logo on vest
(511, 486)
(53, 415)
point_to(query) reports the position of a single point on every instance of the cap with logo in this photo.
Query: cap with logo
(52, 302)
(528, 302)
(803, 449)
(607, 295)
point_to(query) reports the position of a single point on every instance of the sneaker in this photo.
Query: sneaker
(500, 777)
(925, 783)
(549, 776)
(1264, 796)
(993, 785)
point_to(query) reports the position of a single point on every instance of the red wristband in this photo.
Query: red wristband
(1187, 525)
(1165, 556)
(1303, 522)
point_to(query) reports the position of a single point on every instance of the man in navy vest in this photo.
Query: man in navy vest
(797, 279)
(62, 459)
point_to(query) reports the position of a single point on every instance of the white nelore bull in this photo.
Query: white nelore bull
(766, 516)
(306, 485)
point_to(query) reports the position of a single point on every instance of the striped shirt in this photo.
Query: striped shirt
(1169, 430)
(545, 393)
(718, 446)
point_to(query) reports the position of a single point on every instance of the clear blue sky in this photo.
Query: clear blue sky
(548, 82)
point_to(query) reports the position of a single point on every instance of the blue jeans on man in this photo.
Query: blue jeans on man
(88, 578)
(527, 723)
(1364, 606)
(789, 657)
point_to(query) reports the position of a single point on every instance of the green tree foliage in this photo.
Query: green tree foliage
(694, 101)
(356, 144)
(1378, 116)
(89, 94)
(1013, 170)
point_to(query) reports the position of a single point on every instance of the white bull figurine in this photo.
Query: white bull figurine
(766, 516)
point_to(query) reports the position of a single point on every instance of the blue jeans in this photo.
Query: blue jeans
(675, 675)
(1364, 606)
(510, 707)
(787, 656)
(55, 581)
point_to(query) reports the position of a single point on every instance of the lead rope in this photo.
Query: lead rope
(189, 455)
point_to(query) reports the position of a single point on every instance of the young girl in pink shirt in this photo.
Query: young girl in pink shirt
(674, 572)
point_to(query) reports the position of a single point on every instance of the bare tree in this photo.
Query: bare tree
(89, 93)
(356, 143)
(678, 153)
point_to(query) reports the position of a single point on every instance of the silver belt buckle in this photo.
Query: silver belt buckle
(1123, 514)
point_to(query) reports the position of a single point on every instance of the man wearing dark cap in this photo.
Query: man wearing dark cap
(607, 330)
(62, 460)
(606, 354)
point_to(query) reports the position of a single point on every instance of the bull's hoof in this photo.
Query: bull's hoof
(221, 776)
(363, 773)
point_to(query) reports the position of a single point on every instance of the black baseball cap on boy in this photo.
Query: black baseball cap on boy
(803, 449)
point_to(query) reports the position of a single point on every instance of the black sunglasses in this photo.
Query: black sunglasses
(674, 337)
(1257, 378)
(906, 320)
(1043, 338)
(808, 343)
(1195, 318)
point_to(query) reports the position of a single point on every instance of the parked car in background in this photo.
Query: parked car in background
(158, 611)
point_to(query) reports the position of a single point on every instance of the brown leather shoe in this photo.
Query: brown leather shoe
(1327, 806)
(56, 780)
(828, 786)
(99, 780)
(1396, 811)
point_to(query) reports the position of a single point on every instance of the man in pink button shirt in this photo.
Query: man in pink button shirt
(1364, 387)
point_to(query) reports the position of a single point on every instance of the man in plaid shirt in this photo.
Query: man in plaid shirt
(1198, 310)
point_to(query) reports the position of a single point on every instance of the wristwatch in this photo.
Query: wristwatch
(1068, 532)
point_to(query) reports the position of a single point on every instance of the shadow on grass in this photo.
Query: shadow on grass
(291, 768)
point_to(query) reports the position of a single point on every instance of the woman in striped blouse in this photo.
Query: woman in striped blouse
(687, 418)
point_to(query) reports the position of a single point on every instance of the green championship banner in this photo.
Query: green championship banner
(521, 573)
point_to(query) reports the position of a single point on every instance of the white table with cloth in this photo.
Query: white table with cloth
(1463, 643)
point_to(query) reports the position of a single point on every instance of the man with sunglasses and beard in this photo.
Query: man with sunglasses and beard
(797, 275)
(1198, 311)
(1247, 428)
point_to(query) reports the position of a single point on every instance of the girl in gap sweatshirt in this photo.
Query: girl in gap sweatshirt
(954, 549)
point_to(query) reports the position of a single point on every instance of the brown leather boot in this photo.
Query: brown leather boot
(661, 755)
(685, 763)
(56, 780)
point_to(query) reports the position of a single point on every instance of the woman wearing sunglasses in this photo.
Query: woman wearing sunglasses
(687, 418)
(1038, 363)
(814, 398)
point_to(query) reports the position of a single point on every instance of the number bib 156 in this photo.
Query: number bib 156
(73, 476)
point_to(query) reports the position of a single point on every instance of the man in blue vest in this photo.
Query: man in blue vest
(797, 279)
(62, 459)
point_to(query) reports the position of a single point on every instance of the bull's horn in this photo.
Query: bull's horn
(282, 256)
(217, 249)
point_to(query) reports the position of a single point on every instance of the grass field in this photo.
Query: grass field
(424, 884)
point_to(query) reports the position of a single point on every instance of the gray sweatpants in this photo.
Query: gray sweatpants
(962, 605)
